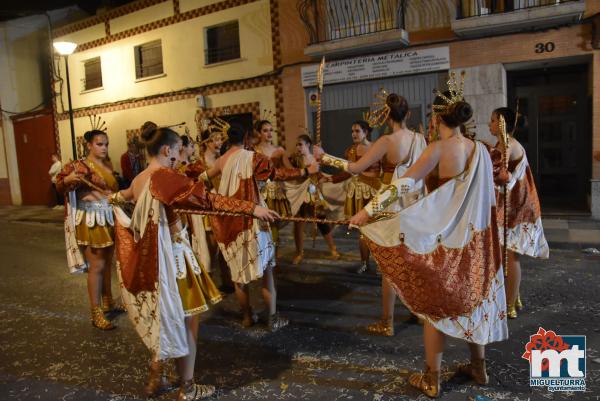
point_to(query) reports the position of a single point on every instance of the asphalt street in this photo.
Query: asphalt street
(50, 351)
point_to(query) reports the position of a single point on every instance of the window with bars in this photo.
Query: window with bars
(93, 74)
(222, 43)
(148, 59)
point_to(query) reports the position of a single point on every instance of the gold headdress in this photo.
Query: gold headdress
(218, 126)
(456, 94)
(267, 114)
(379, 111)
(97, 123)
(468, 129)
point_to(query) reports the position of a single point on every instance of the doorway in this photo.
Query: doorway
(35, 144)
(556, 133)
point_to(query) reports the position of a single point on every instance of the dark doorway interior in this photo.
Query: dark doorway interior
(556, 133)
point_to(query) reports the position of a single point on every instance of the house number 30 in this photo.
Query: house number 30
(544, 47)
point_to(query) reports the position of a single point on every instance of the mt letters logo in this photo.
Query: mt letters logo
(556, 362)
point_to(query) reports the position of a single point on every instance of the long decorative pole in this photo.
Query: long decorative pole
(379, 216)
(320, 79)
(505, 156)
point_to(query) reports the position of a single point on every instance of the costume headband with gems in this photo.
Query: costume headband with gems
(379, 110)
(455, 89)
(219, 126)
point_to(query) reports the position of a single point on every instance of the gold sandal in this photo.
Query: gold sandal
(475, 370)
(298, 258)
(276, 322)
(428, 382)
(190, 391)
(511, 311)
(99, 321)
(109, 305)
(335, 255)
(383, 327)
(158, 383)
(519, 303)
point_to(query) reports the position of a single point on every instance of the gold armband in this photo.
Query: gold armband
(336, 162)
(205, 179)
(389, 195)
(116, 198)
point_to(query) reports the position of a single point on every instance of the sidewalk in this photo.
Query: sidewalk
(572, 232)
(575, 232)
(32, 214)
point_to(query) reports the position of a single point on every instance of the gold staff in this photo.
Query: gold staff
(379, 216)
(320, 79)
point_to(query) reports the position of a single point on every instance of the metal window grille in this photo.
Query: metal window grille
(477, 8)
(148, 59)
(222, 43)
(327, 20)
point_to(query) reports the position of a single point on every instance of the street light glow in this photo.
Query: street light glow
(65, 48)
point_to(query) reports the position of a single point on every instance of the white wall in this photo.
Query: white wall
(183, 54)
(118, 122)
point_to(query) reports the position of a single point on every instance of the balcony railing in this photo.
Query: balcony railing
(327, 20)
(478, 8)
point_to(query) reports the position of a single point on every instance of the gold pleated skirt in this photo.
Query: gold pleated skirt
(197, 291)
(95, 237)
(281, 206)
(364, 188)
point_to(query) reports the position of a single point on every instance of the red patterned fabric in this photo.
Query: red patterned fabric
(448, 282)
(174, 189)
(138, 261)
(81, 168)
(196, 168)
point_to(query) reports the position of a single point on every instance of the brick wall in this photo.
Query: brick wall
(293, 105)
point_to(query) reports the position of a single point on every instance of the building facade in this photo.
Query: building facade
(545, 53)
(172, 62)
(182, 61)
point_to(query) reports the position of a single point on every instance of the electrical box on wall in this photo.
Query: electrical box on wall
(200, 101)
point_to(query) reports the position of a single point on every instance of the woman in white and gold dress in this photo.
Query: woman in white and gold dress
(307, 200)
(525, 231)
(163, 285)
(441, 254)
(397, 152)
(361, 187)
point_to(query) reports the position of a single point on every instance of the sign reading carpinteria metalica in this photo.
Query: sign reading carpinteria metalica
(385, 65)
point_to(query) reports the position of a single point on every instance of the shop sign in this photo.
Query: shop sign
(396, 63)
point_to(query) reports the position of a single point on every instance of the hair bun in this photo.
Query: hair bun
(88, 136)
(460, 112)
(398, 107)
(392, 99)
(147, 134)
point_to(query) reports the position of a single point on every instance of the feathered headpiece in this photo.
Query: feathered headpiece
(379, 110)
